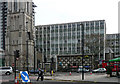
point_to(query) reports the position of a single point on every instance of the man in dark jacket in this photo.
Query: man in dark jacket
(40, 74)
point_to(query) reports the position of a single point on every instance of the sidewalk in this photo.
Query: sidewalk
(78, 78)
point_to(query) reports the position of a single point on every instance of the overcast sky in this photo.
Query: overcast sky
(64, 11)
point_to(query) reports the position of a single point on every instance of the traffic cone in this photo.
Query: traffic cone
(70, 73)
(15, 80)
(90, 73)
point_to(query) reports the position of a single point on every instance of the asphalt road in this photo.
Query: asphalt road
(58, 82)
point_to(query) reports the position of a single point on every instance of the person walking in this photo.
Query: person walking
(40, 74)
(42, 77)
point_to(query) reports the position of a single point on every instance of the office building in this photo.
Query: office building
(3, 26)
(3, 23)
(113, 42)
(66, 39)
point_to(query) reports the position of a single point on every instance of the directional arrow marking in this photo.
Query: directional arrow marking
(26, 78)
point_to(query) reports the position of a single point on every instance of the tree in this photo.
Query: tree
(94, 45)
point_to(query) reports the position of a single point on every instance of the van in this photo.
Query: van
(6, 70)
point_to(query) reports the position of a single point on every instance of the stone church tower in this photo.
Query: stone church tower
(20, 33)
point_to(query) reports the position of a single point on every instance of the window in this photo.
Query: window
(92, 24)
(65, 26)
(97, 24)
(102, 23)
(19, 34)
(15, 5)
(78, 40)
(27, 7)
(69, 25)
(73, 25)
(87, 24)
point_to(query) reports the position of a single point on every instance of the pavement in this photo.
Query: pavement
(74, 77)
(77, 77)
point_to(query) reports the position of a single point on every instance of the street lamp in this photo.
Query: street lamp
(82, 49)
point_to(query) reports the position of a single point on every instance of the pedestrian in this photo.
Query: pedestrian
(42, 77)
(40, 74)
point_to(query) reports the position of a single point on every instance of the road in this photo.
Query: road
(59, 82)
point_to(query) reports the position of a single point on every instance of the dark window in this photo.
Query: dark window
(56, 26)
(69, 25)
(60, 26)
(5, 68)
(78, 40)
(19, 34)
(65, 26)
(15, 6)
(73, 25)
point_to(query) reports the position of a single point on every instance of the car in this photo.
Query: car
(99, 70)
(80, 70)
(6, 70)
(32, 71)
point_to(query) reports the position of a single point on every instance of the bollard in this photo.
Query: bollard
(52, 72)
(16, 82)
(90, 73)
(70, 73)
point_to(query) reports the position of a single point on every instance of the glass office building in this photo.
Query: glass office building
(113, 42)
(3, 26)
(3, 23)
(66, 38)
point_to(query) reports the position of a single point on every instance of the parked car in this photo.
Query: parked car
(6, 70)
(80, 70)
(32, 71)
(99, 70)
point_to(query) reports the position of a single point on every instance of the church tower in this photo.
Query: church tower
(20, 33)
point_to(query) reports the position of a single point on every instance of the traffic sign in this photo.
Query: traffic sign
(24, 76)
(13, 64)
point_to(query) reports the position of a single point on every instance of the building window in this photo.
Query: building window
(56, 26)
(27, 6)
(73, 25)
(97, 24)
(65, 26)
(15, 5)
(78, 40)
(69, 25)
(19, 34)
(17, 42)
(60, 26)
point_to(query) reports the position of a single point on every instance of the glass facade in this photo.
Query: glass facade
(3, 26)
(113, 42)
(3, 23)
(65, 39)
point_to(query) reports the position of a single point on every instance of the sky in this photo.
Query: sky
(65, 11)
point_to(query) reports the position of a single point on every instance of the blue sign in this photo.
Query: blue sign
(24, 76)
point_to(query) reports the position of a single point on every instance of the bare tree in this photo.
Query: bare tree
(94, 44)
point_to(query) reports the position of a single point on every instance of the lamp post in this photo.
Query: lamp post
(82, 50)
